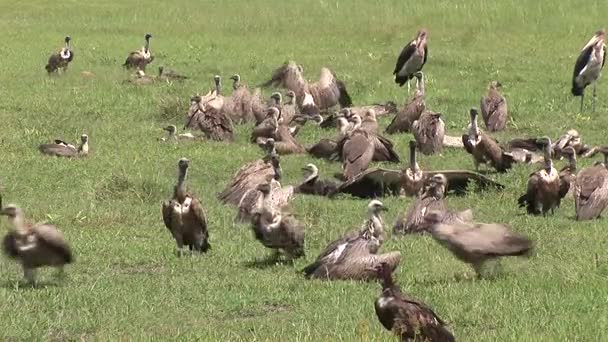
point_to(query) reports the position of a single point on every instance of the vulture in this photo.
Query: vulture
(250, 175)
(166, 74)
(485, 149)
(268, 128)
(327, 148)
(494, 108)
(60, 59)
(173, 136)
(411, 111)
(277, 229)
(567, 175)
(543, 193)
(240, 108)
(34, 245)
(352, 256)
(429, 131)
(312, 185)
(405, 316)
(327, 92)
(432, 199)
(206, 114)
(476, 243)
(589, 65)
(140, 58)
(411, 59)
(140, 78)
(570, 138)
(185, 217)
(289, 110)
(62, 149)
(590, 190)
(381, 109)
(357, 150)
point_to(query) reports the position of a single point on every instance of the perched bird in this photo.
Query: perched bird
(476, 243)
(494, 108)
(173, 136)
(590, 190)
(412, 59)
(61, 149)
(432, 199)
(411, 111)
(61, 58)
(166, 74)
(405, 316)
(589, 65)
(311, 98)
(140, 58)
(34, 245)
(185, 217)
(277, 229)
(429, 131)
(543, 193)
(485, 149)
(312, 185)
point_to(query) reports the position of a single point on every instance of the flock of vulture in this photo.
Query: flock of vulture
(263, 202)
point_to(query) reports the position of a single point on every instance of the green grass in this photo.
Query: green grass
(127, 282)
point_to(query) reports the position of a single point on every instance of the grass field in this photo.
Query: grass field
(127, 282)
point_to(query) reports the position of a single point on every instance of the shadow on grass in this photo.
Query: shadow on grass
(270, 261)
(22, 285)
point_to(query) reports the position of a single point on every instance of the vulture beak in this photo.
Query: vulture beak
(383, 208)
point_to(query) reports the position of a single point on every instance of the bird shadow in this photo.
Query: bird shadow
(23, 285)
(462, 278)
(267, 262)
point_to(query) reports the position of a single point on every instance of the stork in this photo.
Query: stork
(411, 60)
(589, 65)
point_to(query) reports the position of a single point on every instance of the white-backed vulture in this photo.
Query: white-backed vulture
(312, 185)
(590, 190)
(405, 316)
(411, 59)
(428, 131)
(62, 149)
(61, 58)
(542, 194)
(327, 92)
(206, 114)
(494, 108)
(140, 58)
(357, 150)
(485, 149)
(589, 65)
(570, 138)
(171, 75)
(34, 245)
(185, 217)
(476, 243)
(411, 110)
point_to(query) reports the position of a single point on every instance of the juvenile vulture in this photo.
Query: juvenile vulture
(327, 92)
(412, 59)
(429, 131)
(494, 108)
(590, 190)
(61, 58)
(205, 114)
(589, 65)
(166, 74)
(476, 243)
(62, 149)
(185, 217)
(250, 175)
(484, 149)
(173, 136)
(405, 316)
(432, 199)
(34, 245)
(140, 58)
(411, 111)
(312, 185)
(277, 229)
(543, 193)
(326, 148)
(353, 255)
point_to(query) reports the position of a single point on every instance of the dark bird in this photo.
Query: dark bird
(357, 150)
(484, 149)
(206, 114)
(412, 59)
(173, 136)
(590, 190)
(171, 75)
(326, 148)
(61, 58)
(589, 65)
(429, 131)
(185, 217)
(34, 245)
(476, 243)
(312, 185)
(494, 108)
(567, 175)
(543, 193)
(411, 111)
(140, 58)
(62, 149)
(405, 316)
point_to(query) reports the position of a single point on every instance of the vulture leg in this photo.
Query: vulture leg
(28, 275)
(582, 97)
(180, 251)
(594, 96)
(60, 272)
(478, 267)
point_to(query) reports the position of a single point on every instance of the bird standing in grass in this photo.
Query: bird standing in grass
(590, 190)
(60, 59)
(412, 59)
(494, 108)
(140, 58)
(589, 65)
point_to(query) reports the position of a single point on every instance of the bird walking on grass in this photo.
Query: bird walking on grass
(140, 58)
(411, 59)
(61, 58)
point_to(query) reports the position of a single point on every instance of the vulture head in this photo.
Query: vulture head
(11, 211)
(183, 164)
(67, 39)
(421, 37)
(291, 95)
(84, 138)
(172, 129)
(356, 120)
(236, 78)
(264, 188)
(375, 207)
(147, 36)
(310, 171)
(495, 85)
(277, 97)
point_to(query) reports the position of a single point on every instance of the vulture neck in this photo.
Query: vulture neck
(236, 84)
(548, 160)
(421, 85)
(84, 148)
(147, 45)
(413, 164)
(218, 87)
(437, 191)
(474, 130)
(314, 174)
(180, 187)
(572, 162)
